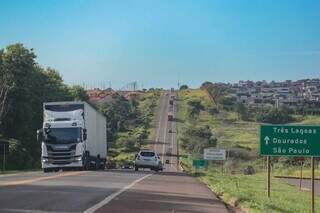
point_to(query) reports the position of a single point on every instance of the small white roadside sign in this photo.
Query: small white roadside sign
(214, 154)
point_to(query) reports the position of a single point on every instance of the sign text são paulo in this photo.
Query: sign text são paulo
(290, 140)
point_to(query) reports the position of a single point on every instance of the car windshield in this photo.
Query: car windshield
(63, 135)
(147, 154)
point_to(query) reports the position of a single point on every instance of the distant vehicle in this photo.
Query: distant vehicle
(172, 89)
(167, 161)
(170, 116)
(171, 102)
(169, 151)
(148, 159)
(170, 131)
(73, 137)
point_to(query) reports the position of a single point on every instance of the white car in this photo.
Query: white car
(148, 159)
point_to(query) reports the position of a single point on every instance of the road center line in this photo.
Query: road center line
(165, 132)
(159, 125)
(114, 195)
(20, 182)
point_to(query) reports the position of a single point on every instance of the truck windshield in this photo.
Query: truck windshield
(63, 135)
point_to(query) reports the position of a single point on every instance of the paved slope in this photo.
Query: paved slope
(60, 192)
(166, 192)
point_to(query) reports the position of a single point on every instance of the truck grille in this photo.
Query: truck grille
(58, 155)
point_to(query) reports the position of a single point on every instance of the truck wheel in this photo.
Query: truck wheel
(85, 163)
(46, 170)
(98, 162)
(102, 165)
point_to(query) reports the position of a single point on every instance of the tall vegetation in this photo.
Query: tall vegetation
(194, 108)
(184, 87)
(24, 86)
(195, 138)
(129, 121)
(274, 115)
(216, 92)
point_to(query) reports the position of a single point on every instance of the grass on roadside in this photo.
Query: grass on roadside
(249, 192)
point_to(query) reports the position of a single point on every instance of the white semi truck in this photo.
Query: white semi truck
(74, 136)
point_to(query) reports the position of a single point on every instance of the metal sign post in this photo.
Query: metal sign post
(301, 167)
(312, 185)
(269, 175)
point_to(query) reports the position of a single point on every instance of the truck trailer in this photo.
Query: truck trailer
(73, 136)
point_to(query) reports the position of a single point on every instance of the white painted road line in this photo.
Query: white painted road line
(19, 173)
(165, 131)
(114, 195)
(31, 211)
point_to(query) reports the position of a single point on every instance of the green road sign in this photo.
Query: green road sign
(199, 164)
(290, 140)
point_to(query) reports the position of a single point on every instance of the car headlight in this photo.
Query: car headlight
(45, 160)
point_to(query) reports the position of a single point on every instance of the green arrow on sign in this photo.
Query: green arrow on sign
(266, 139)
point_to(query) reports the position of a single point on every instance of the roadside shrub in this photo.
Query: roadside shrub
(128, 144)
(274, 116)
(249, 170)
(243, 111)
(195, 138)
(239, 154)
(213, 110)
(194, 108)
(19, 157)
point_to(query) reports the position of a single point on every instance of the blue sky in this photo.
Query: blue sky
(159, 43)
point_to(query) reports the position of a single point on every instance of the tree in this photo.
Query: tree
(216, 92)
(6, 84)
(274, 116)
(78, 93)
(206, 84)
(242, 111)
(118, 112)
(196, 138)
(194, 108)
(184, 87)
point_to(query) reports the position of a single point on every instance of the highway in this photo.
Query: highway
(165, 143)
(113, 190)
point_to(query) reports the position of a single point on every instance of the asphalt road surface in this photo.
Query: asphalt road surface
(116, 191)
(305, 184)
(165, 141)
